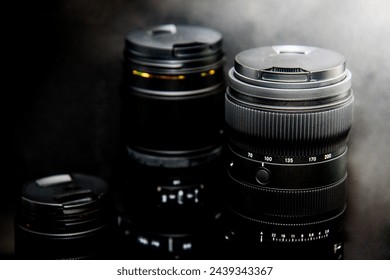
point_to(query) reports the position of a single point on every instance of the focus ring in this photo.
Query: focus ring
(257, 201)
(287, 126)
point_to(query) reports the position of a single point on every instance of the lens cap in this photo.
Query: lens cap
(64, 216)
(289, 65)
(173, 42)
(290, 73)
(59, 193)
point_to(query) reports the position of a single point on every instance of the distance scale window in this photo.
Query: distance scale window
(178, 194)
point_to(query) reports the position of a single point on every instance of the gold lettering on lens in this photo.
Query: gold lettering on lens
(209, 73)
(162, 77)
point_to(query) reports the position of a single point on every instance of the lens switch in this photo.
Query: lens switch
(263, 176)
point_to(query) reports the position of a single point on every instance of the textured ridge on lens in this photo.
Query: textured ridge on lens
(287, 126)
(258, 201)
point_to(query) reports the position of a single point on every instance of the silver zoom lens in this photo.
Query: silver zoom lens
(288, 111)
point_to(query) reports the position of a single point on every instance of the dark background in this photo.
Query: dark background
(61, 102)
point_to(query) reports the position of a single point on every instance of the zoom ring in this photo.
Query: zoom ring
(257, 201)
(282, 126)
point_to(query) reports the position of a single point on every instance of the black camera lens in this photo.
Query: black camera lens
(288, 111)
(174, 76)
(63, 217)
(173, 120)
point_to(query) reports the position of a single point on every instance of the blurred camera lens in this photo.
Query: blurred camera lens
(63, 217)
(173, 119)
(288, 114)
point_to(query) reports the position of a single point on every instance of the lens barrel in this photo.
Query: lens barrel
(175, 77)
(64, 216)
(173, 120)
(288, 112)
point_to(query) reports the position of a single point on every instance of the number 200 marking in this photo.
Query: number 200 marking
(327, 156)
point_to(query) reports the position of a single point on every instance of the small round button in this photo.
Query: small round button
(263, 176)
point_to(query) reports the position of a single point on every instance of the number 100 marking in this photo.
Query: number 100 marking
(266, 158)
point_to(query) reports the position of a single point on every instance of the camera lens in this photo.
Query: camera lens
(173, 120)
(175, 77)
(63, 217)
(288, 112)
